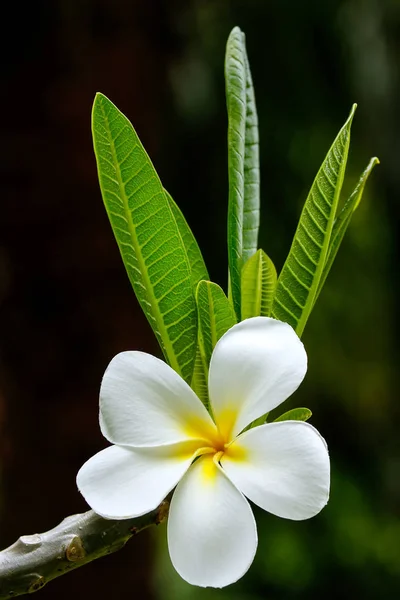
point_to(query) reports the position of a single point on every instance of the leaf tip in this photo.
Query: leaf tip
(235, 38)
(200, 285)
(352, 113)
(98, 97)
(235, 31)
(99, 101)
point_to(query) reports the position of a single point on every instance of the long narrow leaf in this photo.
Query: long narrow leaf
(251, 205)
(235, 79)
(215, 316)
(258, 285)
(342, 222)
(147, 235)
(243, 162)
(299, 280)
(197, 265)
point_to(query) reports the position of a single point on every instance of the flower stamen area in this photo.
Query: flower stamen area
(217, 457)
(219, 443)
(215, 453)
(205, 450)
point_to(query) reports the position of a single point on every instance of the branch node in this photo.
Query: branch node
(30, 542)
(34, 560)
(38, 582)
(162, 512)
(75, 550)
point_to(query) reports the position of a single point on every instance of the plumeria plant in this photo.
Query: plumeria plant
(193, 433)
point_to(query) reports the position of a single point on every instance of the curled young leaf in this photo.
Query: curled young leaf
(243, 162)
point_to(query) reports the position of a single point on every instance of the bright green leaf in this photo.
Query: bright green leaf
(196, 261)
(215, 315)
(258, 285)
(299, 280)
(343, 221)
(243, 161)
(296, 414)
(147, 235)
(199, 271)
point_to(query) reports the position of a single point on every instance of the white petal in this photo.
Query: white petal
(212, 535)
(120, 483)
(283, 467)
(255, 366)
(143, 402)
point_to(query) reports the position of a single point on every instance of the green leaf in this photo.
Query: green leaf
(199, 271)
(199, 380)
(260, 421)
(147, 235)
(196, 261)
(296, 414)
(243, 161)
(258, 285)
(251, 206)
(235, 79)
(215, 316)
(299, 280)
(343, 221)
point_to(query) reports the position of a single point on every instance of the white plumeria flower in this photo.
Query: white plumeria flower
(164, 437)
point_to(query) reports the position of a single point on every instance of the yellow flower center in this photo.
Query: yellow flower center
(216, 441)
(218, 447)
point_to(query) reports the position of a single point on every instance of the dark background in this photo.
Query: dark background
(66, 304)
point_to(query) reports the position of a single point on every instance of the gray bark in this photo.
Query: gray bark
(34, 560)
